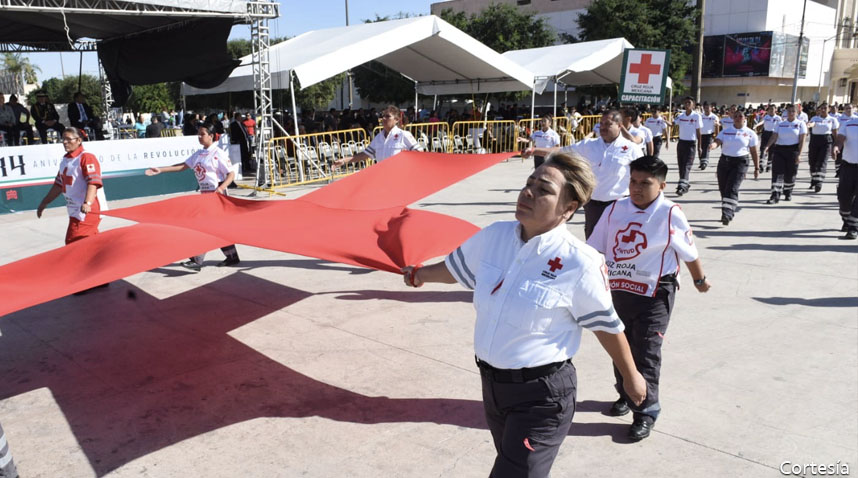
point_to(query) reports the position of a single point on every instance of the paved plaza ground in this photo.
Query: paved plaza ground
(294, 367)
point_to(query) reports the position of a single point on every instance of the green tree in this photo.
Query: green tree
(239, 47)
(319, 95)
(21, 70)
(150, 98)
(61, 91)
(502, 27)
(656, 24)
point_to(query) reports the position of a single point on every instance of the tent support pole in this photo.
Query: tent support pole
(532, 101)
(435, 103)
(554, 111)
(416, 108)
(294, 108)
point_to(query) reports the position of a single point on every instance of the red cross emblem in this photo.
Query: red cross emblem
(625, 148)
(645, 68)
(555, 264)
(67, 180)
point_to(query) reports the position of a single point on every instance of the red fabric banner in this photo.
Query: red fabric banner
(360, 220)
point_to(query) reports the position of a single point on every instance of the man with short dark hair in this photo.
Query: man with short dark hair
(155, 127)
(82, 117)
(22, 118)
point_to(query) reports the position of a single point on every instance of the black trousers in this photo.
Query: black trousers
(817, 154)
(705, 141)
(731, 172)
(229, 251)
(645, 319)
(767, 135)
(656, 145)
(529, 421)
(784, 169)
(537, 161)
(7, 464)
(592, 212)
(43, 131)
(685, 153)
(847, 194)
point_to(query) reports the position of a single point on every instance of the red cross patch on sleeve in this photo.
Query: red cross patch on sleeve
(90, 168)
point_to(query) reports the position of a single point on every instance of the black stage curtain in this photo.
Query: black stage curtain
(194, 52)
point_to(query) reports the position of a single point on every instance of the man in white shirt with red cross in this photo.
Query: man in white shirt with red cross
(643, 237)
(690, 122)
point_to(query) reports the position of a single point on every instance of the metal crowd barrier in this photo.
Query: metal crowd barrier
(308, 158)
(477, 137)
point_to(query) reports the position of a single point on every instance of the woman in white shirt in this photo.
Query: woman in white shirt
(212, 169)
(738, 144)
(788, 139)
(535, 288)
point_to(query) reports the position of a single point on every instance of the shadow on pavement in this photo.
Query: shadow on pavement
(409, 296)
(819, 302)
(133, 374)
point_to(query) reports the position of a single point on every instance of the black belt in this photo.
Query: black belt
(785, 146)
(519, 375)
(737, 158)
(668, 278)
(692, 141)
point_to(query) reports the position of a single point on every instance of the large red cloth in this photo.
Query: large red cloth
(360, 220)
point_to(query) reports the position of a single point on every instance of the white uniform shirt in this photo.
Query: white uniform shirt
(726, 122)
(770, 123)
(655, 125)
(610, 164)
(850, 147)
(75, 175)
(644, 133)
(688, 125)
(545, 139)
(211, 166)
(737, 143)
(709, 122)
(788, 132)
(642, 245)
(843, 119)
(824, 126)
(532, 299)
(397, 140)
(802, 116)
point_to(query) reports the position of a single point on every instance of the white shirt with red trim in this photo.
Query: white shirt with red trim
(642, 245)
(545, 139)
(532, 298)
(610, 163)
(382, 147)
(211, 166)
(709, 122)
(789, 131)
(824, 126)
(688, 125)
(655, 125)
(737, 143)
(78, 170)
(850, 147)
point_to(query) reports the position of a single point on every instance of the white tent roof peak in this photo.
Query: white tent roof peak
(587, 63)
(440, 57)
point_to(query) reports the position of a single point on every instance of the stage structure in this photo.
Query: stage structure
(29, 26)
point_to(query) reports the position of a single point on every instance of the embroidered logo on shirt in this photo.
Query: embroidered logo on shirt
(625, 148)
(90, 168)
(554, 265)
(629, 242)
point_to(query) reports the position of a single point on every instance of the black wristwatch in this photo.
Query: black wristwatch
(700, 281)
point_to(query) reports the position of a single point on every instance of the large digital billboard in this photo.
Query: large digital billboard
(747, 54)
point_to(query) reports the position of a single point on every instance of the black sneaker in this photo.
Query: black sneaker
(725, 220)
(619, 408)
(641, 427)
(850, 235)
(191, 266)
(817, 188)
(774, 199)
(679, 191)
(787, 197)
(229, 261)
(703, 166)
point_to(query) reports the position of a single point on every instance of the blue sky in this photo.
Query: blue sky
(296, 17)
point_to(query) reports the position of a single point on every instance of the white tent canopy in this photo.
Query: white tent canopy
(440, 58)
(588, 63)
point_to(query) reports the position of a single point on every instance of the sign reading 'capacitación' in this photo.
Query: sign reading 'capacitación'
(644, 76)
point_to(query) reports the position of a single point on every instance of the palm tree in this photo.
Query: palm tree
(20, 69)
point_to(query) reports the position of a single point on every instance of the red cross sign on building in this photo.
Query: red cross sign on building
(644, 76)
